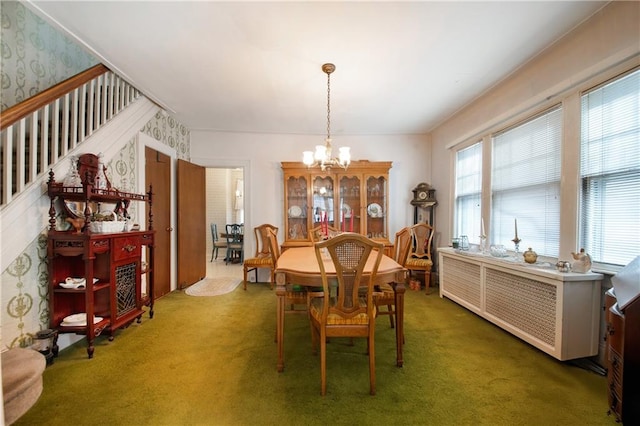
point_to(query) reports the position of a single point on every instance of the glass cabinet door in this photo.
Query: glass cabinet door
(297, 209)
(376, 187)
(323, 209)
(349, 205)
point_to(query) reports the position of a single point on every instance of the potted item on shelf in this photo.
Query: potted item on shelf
(106, 223)
(581, 262)
(530, 256)
(563, 266)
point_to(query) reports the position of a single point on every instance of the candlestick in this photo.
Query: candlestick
(516, 241)
(483, 243)
(326, 224)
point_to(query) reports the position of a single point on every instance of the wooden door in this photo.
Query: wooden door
(158, 174)
(192, 246)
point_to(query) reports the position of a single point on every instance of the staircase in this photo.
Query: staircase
(95, 111)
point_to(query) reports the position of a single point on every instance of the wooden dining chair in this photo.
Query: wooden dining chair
(384, 295)
(263, 257)
(295, 296)
(346, 313)
(420, 255)
(318, 233)
(235, 242)
(217, 243)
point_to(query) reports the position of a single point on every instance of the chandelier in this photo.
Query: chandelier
(322, 155)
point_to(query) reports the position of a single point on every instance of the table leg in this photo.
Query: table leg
(280, 294)
(399, 294)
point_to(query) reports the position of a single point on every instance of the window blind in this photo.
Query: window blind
(610, 171)
(468, 192)
(525, 184)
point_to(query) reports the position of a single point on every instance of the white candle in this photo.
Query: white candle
(516, 227)
(482, 233)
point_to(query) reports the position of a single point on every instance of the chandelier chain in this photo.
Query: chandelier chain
(328, 105)
(323, 154)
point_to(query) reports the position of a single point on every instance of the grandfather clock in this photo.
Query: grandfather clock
(424, 203)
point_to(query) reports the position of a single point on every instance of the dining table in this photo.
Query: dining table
(299, 265)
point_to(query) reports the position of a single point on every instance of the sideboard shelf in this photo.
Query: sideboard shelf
(109, 262)
(558, 313)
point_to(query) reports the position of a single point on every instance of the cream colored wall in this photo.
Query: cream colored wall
(261, 155)
(605, 45)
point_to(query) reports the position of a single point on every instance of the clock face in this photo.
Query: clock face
(422, 195)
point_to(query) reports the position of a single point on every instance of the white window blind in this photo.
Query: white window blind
(468, 192)
(610, 171)
(525, 184)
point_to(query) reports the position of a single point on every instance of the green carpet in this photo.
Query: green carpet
(212, 361)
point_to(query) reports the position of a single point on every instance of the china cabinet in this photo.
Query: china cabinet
(95, 273)
(353, 200)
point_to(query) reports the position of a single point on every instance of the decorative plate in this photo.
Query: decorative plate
(78, 320)
(347, 210)
(75, 282)
(295, 211)
(374, 210)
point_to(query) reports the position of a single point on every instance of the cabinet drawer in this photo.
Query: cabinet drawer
(616, 331)
(126, 247)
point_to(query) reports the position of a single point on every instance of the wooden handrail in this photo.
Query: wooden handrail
(34, 103)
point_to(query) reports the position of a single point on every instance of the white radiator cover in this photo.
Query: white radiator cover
(558, 313)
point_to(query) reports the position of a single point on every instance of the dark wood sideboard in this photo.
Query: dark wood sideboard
(623, 358)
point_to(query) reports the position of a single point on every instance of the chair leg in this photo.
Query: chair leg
(427, 281)
(256, 272)
(323, 363)
(372, 364)
(244, 282)
(391, 315)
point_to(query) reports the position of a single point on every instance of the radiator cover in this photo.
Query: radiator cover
(558, 313)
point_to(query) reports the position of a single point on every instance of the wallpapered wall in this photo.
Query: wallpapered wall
(25, 308)
(35, 56)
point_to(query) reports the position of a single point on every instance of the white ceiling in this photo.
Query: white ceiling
(401, 67)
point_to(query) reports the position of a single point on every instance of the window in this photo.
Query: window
(610, 171)
(525, 184)
(468, 191)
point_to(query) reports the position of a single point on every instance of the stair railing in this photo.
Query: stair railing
(40, 131)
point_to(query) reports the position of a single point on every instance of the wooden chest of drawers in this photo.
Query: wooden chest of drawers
(623, 357)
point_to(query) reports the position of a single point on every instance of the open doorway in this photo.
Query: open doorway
(224, 194)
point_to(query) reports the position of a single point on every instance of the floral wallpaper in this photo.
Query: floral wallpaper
(164, 128)
(34, 55)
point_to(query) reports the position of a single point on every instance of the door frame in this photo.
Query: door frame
(143, 140)
(232, 163)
